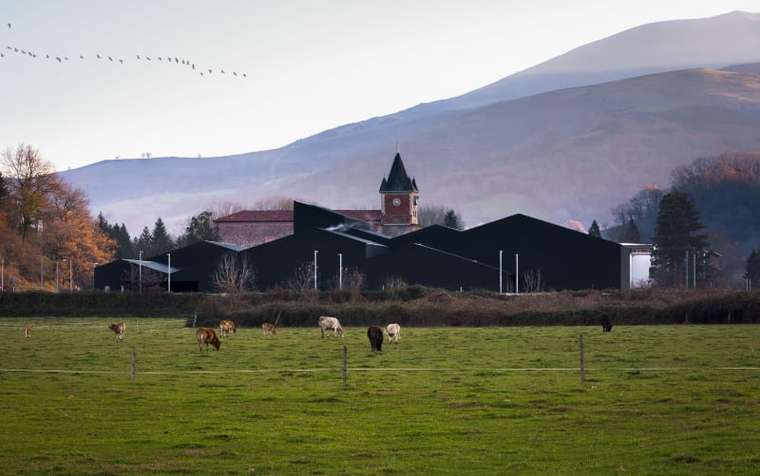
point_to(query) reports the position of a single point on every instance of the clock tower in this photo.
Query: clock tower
(399, 199)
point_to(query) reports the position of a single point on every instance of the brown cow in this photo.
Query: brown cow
(206, 335)
(27, 330)
(119, 328)
(269, 329)
(226, 327)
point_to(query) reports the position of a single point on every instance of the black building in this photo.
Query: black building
(547, 257)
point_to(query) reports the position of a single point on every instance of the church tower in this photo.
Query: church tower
(399, 198)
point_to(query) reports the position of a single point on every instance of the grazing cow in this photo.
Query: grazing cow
(119, 328)
(269, 329)
(394, 332)
(375, 335)
(606, 324)
(327, 323)
(27, 330)
(226, 327)
(206, 335)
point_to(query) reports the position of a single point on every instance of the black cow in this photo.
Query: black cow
(375, 335)
(606, 324)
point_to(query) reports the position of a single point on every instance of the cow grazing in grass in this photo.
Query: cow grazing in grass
(119, 328)
(394, 332)
(226, 327)
(327, 323)
(269, 329)
(375, 335)
(207, 336)
(27, 330)
(606, 324)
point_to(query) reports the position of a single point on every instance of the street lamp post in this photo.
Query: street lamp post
(315, 269)
(501, 273)
(517, 273)
(340, 270)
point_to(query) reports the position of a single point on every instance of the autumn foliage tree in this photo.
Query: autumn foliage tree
(45, 221)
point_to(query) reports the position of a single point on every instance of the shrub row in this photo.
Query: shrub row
(438, 310)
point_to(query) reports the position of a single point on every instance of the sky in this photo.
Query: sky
(310, 65)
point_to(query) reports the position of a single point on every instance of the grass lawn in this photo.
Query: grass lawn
(657, 400)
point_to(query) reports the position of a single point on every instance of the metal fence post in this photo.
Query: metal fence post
(583, 366)
(345, 367)
(134, 365)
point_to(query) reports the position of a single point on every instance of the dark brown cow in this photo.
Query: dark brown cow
(375, 335)
(206, 335)
(606, 324)
(119, 328)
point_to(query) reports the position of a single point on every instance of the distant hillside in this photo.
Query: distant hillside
(558, 155)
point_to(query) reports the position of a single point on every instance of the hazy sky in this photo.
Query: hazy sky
(311, 65)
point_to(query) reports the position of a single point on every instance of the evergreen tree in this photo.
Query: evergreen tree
(753, 267)
(594, 230)
(199, 228)
(123, 242)
(144, 243)
(103, 224)
(160, 242)
(677, 233)
(631, 234)
(452, 220)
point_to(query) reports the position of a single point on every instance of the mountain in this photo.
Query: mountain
(561, 154)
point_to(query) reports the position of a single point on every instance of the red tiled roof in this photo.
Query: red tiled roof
(258, 216)
(269, 216)
(363, 215)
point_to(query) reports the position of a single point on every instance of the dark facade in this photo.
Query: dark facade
(550, 257)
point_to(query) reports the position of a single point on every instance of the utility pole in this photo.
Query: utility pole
(501, 272)
(71, 275)
(140, 271)
(686, 268)
(57, 286)
(93, 275)
(315, 269)
(340, 270)
(694, 269)
(517, 273)
(169, 273)
(42, 272)
(2, 275)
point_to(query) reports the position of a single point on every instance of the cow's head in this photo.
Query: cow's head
(339, 330)
(215, 342)
(114, 327)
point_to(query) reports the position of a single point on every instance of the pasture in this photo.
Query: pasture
(657, 400)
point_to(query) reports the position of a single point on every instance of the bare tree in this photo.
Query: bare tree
(234, 275)
(303, 278)
(532, 281)
(432, 215)
(29, 180)
(273, 203)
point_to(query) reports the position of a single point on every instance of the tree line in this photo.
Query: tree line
(45, 226)
(710, 210)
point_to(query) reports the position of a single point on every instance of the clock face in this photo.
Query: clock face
(396, 202)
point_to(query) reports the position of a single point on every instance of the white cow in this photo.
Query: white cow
(394, 332)
(327, 323)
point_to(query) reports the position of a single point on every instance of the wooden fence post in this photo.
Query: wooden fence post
(582, 368)
(134, 365)
(345, 367)
(195, 318)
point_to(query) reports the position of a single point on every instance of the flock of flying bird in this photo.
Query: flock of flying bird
(164, 59)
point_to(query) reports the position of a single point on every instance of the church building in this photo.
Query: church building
(398, 214)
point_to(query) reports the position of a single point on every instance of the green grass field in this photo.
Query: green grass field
(657, 400)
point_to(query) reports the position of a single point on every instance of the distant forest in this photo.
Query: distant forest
(726, 192)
